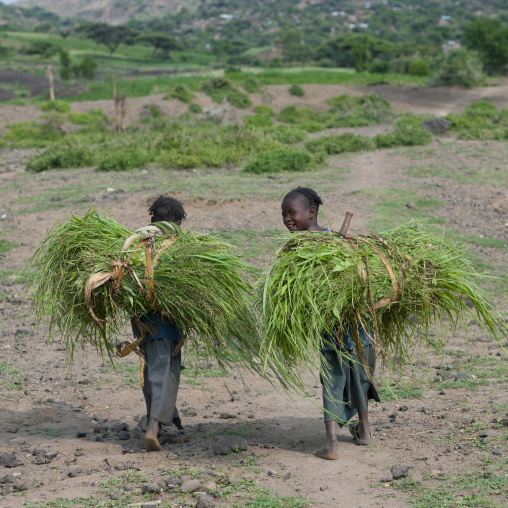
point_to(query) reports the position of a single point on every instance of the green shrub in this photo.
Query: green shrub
(403, 135)
(461, 67)
(218, 88)
(124, 158)
(346, 111)
(312, 126)
(252, 85)
(287, 134)
(296, 90)
(292, 114)
(264, 110)
(259, 121)
(211, 146)
(32, 135)
(480, 120)
(195, 108)
(61, 157)
(92, 117)
(379, 67)
(283, 159)
(339, 143)
(239, 99)
(180, 93)
(232, 69)
(419, 67)
(57, 106)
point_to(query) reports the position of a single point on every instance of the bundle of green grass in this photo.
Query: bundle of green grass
(392, 286)
(92, 275)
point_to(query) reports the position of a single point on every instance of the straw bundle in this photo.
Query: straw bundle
(393, 286)
(92, 274)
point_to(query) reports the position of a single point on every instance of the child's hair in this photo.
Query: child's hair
(167, 209)
(310, 194)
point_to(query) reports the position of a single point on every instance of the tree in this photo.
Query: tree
(109, 36)
(65, 65)
(161, 42)
(87, 68)
(489, 37)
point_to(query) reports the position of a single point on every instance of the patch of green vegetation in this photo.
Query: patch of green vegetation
(296, 90)
(480, 120)
(125, 158)
(339, 143)
(287, 134)
(33, 135)
(267, 501)
(56, 106)
(6, 245)
(258, 121)
(264, 110)
(347, 111)
(251, 85)
(254, 245)
(46, 431)
(294, 115)
(405, 133)
(6, 368)
(403, 390)
(195, 108)
(279, 160)
(220, 88)
(63, 156)
(91, 117)
(390, 208)
(181, 93)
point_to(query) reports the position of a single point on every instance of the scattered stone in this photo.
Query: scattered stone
(229, 445)
(442, 392)
(129, 487)
(81, 434)
(400, 472)
(55, 198)
(119, 427)
(425, 409)
(323, 488)
(12, 430)
(10, 460)
(486, 433)
(124, 435)
(497, 452)
(173, 483)
(462, 376)
(226, 416)
(9, 479)
(403, 408)
(287, 476)
(115, 494)
(504, 421)
(417, 477)
(446, 374)
(190, 412)
(150, 488)
(437, 125)
(50, 400)
(485, 338)
(410, 205)
(43, 457)
(208, 486)
(437, 379)
(74, 471)
(205, 501)
(185, 478)
(167, 439)
(387, 477)
(7, 489)
(100, 428)
(22, 486)
(272, 473)
(190, 486)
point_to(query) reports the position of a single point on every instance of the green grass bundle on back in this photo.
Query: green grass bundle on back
(323, 283)
(199, 283)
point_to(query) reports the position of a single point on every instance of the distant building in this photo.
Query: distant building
(226, 16)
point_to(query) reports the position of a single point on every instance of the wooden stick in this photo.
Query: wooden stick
(345, 224)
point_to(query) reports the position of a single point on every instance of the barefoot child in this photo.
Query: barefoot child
(162, 370)
(346, 387)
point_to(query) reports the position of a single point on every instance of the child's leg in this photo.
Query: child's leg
(364, 431)
(329, 452)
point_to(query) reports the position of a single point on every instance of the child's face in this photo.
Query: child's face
(297, 215)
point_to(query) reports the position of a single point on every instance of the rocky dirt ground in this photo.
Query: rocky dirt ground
(75, 438)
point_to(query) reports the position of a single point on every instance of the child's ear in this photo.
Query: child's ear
(312, 212)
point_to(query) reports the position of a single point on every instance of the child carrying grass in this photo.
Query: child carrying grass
(161, 372)
(346, 386)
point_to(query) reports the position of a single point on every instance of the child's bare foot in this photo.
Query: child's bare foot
(152, 443)
(329, 452)
(364, 432)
